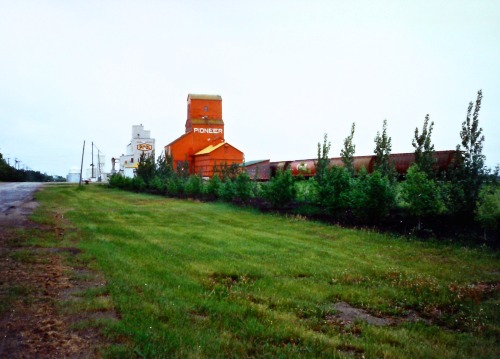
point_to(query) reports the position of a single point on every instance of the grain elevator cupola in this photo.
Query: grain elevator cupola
(204, 111)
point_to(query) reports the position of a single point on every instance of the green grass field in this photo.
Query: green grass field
(207, 280)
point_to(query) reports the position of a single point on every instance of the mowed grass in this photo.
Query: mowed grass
(207, 280)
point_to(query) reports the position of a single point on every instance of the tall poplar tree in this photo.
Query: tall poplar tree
(382, 151)
(424, 149)
(323, 163)
(347, 153)
(471, 171)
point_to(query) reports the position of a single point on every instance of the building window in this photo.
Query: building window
(205, 108)
(131, 160)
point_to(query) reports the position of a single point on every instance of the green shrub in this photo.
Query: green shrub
(421, 193)
(119, 181)
(280, 190)
(257, 191)
(213, 187)
(373, 196)
(488, 209)
(333, 191)
(164, 166)
(138, 184)
(194, 186)
(146, 168)
(158, 185)
(173, 187)
(114, 180)
(227, 190)
(243, 187)
(306, 189)
(359, 195)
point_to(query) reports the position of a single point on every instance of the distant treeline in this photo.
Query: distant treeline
(11, 174)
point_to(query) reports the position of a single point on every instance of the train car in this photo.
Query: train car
(445, 159)
(307, 168)
(279, 166)
(258, 170)
(336, 161)
(304, 168)
(402, 161)
(363, 161)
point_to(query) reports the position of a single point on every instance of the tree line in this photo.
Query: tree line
(461, 202)
(12, 174)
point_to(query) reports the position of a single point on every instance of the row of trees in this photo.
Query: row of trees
(466, 194)
(469, 190)
(159, 177)
(12, 174)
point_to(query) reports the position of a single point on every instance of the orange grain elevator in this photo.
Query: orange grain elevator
(203, 145)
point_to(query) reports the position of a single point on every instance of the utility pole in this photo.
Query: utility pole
(81, 165)
(98, 166)
(92, 164)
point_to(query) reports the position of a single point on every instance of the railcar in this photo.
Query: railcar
(402, 161)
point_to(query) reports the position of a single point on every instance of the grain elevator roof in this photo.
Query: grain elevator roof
(204, 97)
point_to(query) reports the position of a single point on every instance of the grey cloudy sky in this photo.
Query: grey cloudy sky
(287, 71)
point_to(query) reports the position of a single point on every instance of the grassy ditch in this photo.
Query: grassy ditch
(197, 280)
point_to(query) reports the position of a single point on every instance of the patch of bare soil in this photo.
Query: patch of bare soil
(348, 314)
(33, 283)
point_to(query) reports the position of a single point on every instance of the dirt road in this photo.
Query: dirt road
(34, 281)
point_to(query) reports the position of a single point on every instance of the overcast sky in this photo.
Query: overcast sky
(287, 71)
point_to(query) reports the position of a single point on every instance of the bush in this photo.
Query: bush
(146, 168)
(280, 191)
(488, 210)
(306, 189)
(138, 184)
(381, 195)
(227, 190)
(114, 180)
(213, 187)
(334, 190)
(421, 193)
(158, 185)
(373, 196)
(119, 181)
(359, 195)
(174, 187)
(243, 187)
(194, 186)
(257, 191)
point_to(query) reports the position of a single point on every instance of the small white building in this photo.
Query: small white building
(73, 175)
(141, 143)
